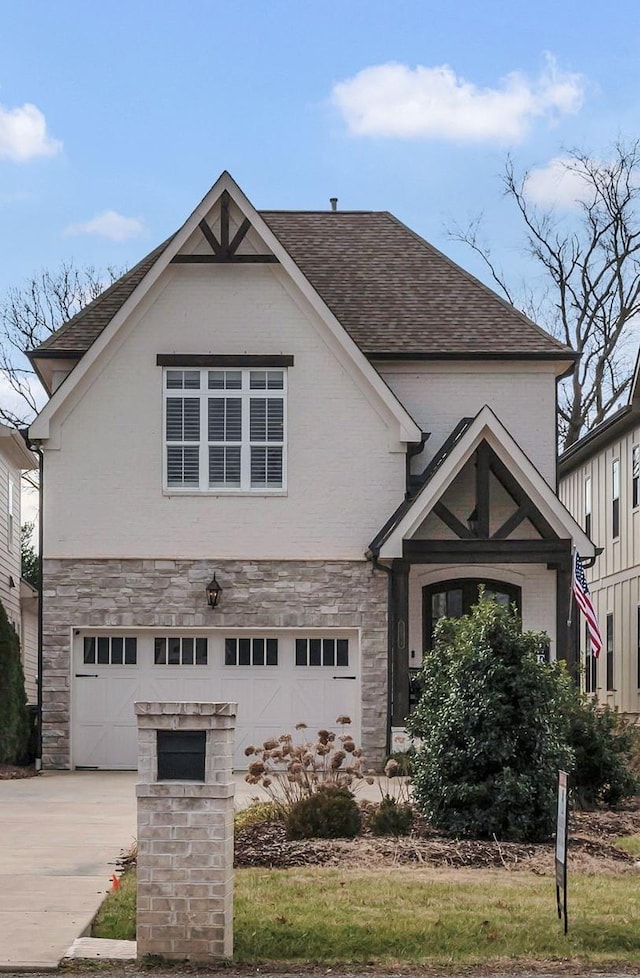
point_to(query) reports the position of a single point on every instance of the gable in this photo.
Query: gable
(481, 487)
(225, 231)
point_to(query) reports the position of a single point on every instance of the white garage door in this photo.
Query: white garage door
(278, 679)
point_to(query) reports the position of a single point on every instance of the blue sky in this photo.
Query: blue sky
(117, 116)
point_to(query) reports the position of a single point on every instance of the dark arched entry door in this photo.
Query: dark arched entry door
(452, 599)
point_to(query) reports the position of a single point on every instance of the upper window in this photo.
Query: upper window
(587, 505)
(225, 429)
(615, 498)
(635, 476)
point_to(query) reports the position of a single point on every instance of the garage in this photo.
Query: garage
(278, 679)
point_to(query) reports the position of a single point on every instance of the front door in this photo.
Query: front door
(453, 599)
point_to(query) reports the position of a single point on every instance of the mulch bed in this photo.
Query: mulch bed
(590, 847)
(10, 772)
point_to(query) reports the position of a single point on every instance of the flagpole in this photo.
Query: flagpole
(573, 574)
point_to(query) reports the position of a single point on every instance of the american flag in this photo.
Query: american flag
(584, 602)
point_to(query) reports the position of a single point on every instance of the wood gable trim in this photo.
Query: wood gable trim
(224, 250)
(488, 463)
(221, 360)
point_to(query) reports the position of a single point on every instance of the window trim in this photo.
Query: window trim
(246, 393)
(635, 476)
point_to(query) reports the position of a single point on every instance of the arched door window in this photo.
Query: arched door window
(453, 599)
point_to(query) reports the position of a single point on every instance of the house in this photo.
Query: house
(325, 418)
(600, 485)
(19, 599)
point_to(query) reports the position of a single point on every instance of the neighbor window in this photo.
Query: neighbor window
(225, 429)
(615, 497)
(587, 506)
(610, 652)
(591, 665)
(10, 513)
(635, 476)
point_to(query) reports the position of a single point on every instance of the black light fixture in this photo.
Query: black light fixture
(213, 592)
(472, 521)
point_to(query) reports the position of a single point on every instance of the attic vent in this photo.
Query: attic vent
(334, 203)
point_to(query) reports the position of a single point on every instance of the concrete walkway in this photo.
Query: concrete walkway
(60, 836)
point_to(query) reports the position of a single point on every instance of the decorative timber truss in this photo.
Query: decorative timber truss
(224, 250)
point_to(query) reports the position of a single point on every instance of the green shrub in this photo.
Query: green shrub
(391, 818)
(256, 813)
(14, 717)
(605, 746)
(493, 729)
(404, 762)
(330, 812)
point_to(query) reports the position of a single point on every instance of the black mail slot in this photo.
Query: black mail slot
(181, 755)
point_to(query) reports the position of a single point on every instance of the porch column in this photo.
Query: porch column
(399, 613)
(566, 635)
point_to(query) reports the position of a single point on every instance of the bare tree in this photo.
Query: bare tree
(31, 313)
(590, 259)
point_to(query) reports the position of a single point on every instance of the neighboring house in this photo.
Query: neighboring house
(600, 485)
(20, 601)
(326, 416)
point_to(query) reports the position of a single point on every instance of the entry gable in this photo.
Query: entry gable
(484, 488)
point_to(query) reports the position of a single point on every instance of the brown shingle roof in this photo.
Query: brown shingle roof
(393, 292)
(396, 294)
(77, 335)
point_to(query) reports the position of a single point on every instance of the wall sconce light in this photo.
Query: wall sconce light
(472, 522)
(213, 592)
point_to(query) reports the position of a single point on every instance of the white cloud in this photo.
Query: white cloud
(110, 225)
(434, 103)
(561, 183)
(23, 134)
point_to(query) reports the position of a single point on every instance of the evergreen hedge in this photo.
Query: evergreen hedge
(14, 718)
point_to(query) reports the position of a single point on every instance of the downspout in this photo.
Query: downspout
(376, 565)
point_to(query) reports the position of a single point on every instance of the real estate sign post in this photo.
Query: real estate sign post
(561, 847)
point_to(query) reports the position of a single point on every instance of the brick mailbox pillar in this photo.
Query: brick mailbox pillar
(185, 830)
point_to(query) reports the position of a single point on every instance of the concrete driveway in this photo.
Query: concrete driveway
(60, 834)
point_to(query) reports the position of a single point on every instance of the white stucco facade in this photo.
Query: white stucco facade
(438, 394)
(345, 473)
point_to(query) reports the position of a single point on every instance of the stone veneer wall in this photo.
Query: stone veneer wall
(170, 594)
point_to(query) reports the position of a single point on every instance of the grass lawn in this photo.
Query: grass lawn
(630, 844)
(417, 916)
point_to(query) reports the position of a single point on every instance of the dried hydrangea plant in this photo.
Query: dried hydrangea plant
(290, 768)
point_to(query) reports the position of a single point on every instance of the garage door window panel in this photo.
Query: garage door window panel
(329, 652)
(180, 651)
(108, 650)
(255, 651)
